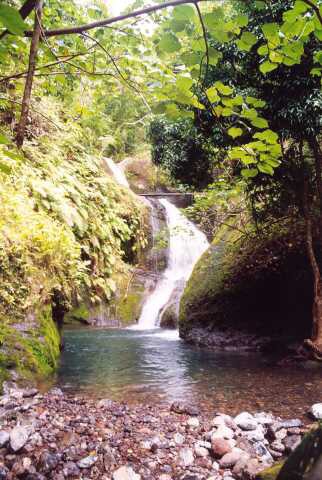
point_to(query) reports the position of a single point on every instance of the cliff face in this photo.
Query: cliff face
(246, 288)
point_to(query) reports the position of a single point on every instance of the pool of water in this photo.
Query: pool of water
(156, 366)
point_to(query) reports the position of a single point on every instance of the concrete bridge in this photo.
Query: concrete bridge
(179, 199)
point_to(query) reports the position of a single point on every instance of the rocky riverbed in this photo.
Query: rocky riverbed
(58, 436)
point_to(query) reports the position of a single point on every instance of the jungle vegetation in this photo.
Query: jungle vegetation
(230, 93)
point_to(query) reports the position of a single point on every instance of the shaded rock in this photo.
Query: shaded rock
(291, 442)
(4, 438)
(220, 446)
(3, 472)
(48, 462)
(182, 408)
(18, 438)
(125, 473)
(246, 421)
(29, 392)
(71, 470)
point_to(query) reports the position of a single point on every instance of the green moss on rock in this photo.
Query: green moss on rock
(270, 473)
(30, 347)
(260, 283)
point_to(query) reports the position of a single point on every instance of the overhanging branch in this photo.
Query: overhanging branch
(119, 18)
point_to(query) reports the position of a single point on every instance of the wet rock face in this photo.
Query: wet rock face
(60, 437)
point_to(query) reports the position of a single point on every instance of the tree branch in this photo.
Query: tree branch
(206, 42)
(119, 18)
(315, 8)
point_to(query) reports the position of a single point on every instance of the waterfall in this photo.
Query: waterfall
(187, 244)
(116, 172)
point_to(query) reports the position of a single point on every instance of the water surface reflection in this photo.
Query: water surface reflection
(155, 366)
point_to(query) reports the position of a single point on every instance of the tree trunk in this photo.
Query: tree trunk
(21, 128)
(315, 343)
(317, 154)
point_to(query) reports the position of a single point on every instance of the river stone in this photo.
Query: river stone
(87, 462)
(186, 457)
(291, 442)
(4, 438)
(179, 439)
(223, 432)
(316, 411)
(224, 420)
(246, 421)
(220, 446)
(231, 458)
(193, 422)
(48, 462)
(179, 407)
(201, 452)
(126, 473)
(18, 438)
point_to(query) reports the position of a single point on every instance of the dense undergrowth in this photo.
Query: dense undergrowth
(67, 232)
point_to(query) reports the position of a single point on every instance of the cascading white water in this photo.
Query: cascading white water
(187, 244)
(117, 172)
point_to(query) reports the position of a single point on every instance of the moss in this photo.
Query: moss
(30, 348)
(79, 314)
(270, 473)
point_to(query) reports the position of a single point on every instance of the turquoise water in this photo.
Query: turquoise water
(155, 366)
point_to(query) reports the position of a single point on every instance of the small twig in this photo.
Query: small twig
(315, 8)
(206, 43)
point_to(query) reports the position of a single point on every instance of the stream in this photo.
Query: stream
(147, 364)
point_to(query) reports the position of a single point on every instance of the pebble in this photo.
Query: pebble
(246, 421)
(316, 411)
(223, 432)
(87, 462)
(18, 438)
(186, 457)
(220, 446)
(193, 422)
(64, 437)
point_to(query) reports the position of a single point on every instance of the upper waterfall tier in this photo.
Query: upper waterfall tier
(186, 245)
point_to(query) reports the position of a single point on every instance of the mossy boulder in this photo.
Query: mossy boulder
(29, 347)
(258, 284)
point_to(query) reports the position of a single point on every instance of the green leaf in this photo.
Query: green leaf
(184, 12)
(212, 94)
(246, 41)
(12, 20)
(184, 83)
(242, 20)
(260, 123)
(224, 89)
(235, 132)
(4, 168)
(267, 67)
(265, 168)
(4, 140)
(249, 172)
(270, 30)
(169, 43)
